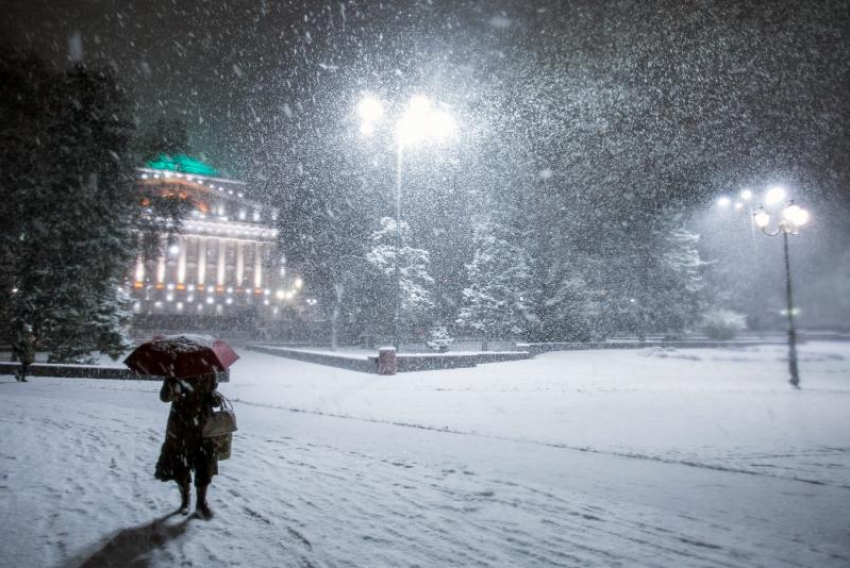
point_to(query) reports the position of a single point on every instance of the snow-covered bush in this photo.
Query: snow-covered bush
(439, 339)
(723, 324)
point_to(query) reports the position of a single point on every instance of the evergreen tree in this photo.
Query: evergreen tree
(25, 83)
(670, 282)
(498, 301)
(678, 281)
(72, 193)
(417, 300)
(568, 312)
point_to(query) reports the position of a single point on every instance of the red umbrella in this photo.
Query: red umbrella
(181, 356)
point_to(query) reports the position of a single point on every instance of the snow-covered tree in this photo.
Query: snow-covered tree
(498, 301)
(569, 312)
(439, 339)
(673, 298)
(72, 201)
(410, 264)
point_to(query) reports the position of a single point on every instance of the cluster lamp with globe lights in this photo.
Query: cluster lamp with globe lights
(791, 220)
(774, 195)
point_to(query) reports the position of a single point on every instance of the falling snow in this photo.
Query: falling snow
(457, 179)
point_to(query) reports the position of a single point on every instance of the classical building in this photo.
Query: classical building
(223, 269)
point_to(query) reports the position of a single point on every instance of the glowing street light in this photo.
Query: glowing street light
(421, 121)
(795, 215)
(370, 109)
(774, 195)
(792, 219)
(724, 201)
(761, 218)
(746, 194)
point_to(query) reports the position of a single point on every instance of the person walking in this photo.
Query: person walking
(185, 450)
(24, 349)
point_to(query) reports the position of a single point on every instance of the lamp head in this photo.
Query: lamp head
(774, 195)
(442, 125)
(370, 109)
(795, 215)
(421, 121)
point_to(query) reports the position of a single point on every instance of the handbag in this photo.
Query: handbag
(221, 422)
(221, 446)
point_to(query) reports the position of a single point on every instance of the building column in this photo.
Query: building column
(140, 269)
(240, 263)
(183, 243)
(160, 269)
(219, 273)
(258, 266)
(202, 260)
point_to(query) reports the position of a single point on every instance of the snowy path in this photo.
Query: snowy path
(310, 490)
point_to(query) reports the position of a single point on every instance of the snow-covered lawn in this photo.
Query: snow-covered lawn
(726, 408)
(597, 458)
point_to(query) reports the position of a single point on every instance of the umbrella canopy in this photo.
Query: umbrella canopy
(181, 356)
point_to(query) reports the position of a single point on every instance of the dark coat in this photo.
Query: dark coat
(24, 348)
(185, 449)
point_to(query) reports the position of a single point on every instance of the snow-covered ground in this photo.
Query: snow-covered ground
(595, 458)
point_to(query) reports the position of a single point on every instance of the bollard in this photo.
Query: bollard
(387, 361)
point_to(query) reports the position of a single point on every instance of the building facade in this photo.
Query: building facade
(223, 269)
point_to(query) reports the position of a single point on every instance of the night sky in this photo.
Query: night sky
(621, 110)
(693, 97)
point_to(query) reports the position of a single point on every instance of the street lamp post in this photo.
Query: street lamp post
(419, 122)
(398, 246)
(793, 217)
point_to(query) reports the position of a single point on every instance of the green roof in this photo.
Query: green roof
(182, 163)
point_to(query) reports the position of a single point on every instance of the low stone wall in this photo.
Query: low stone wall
(430, 362)
(537, 348)
(77, 372)
(361, 364)
(405, 362)
(88, 372)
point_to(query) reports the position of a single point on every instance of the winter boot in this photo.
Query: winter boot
(202, 509)
(184, 499)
